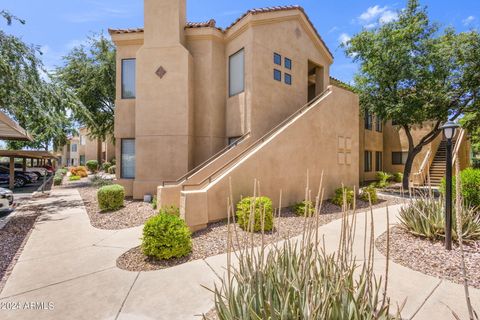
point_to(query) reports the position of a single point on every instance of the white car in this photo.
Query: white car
(6, 200)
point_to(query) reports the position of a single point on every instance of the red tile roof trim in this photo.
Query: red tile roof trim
(212, 23)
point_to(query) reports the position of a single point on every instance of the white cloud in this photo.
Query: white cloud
(468, 20)
(376, 13)
(344, 38)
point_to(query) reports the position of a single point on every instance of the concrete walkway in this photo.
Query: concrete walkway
(68, 270)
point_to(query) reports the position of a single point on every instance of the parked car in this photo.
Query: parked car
(20, 180)
(6, 200)
(39, 171)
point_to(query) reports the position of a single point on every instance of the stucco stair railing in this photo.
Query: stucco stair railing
(211, 178)
(228, 149)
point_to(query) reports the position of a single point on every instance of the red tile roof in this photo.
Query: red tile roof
(212, 23)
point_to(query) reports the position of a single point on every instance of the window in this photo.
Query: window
(288, 79)
(73, 148)
(83, 140)
(237, 73)
(378, 161)
(128, 159)
(82, 160)
(368, 161)
(277, 75)
(233, 140)
(379, 125)
(288, 63)
(399, 157)
(128, 78)
(368, 120)
(277, 59)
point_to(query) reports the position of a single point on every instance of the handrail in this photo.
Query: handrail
(262, 139)
(206, 162)
(458, 143)
(423, 165)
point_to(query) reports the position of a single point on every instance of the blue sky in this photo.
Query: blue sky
(59, 25)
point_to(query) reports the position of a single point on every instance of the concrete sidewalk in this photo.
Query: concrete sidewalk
(68, 269)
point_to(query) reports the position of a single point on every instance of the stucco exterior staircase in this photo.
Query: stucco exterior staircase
(169, 191)
(280, 159)
(438, 166)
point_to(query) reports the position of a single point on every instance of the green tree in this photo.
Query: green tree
(413, 74)
(28, 95)
(89, 70)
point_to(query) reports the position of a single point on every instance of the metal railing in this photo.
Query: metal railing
(186, 176)
(261, 140)
(458, 143)
(421, 170)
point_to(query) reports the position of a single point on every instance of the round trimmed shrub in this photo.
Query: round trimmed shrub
(166, 236)
(92, 165)
(398, 177)
(369, 194)
(339, 195)
(304, 206)
(57, 180)
(263, 209)
(470, 186)
(106, 166)
(74, 178)
(111, 197)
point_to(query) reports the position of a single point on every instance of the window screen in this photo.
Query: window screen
(368, 161)
(288, 79)
(237, 73)
(277, 75)
(277, 59)
(378, 161)
(128, 158)
(288, 63)
(128, 78)
(399, 157)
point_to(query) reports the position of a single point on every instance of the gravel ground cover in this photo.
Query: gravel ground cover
(431, 257)
(133, 214)
(13, 237)
(213, 240)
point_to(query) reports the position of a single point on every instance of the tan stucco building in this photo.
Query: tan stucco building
(81, 148)
(200, 108)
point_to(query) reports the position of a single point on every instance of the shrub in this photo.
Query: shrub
(74, 178)
(398, 177)
(304, 206)
(57, 180)
(154, 203)
(166, 236)
(426, 218)
(98, 181)
(113, 161)
(111, 197)
(92, 165)
(79, 171)
(342, 193)
(62, 171)
(470, 186)
(369, 194)
(106, 166)
(300, 280)
(112, 169)
(476, 163)
(172, 210)
(262, 214)
(383, 178)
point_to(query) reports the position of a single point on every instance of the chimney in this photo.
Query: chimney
(165, 22)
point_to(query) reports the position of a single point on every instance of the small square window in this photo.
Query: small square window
(277, 59)
(288, 79)
(277, 75)
(288, 63)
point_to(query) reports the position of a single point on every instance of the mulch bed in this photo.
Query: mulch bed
(13, 237)
(133, 214)
(212, 241)
(431, 257)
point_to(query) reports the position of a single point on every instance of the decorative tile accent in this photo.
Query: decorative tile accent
(348, 158)
(341, 143)
(341, 158)
(161, 72)
(348, 143)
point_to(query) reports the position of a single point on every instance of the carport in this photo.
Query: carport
(10, 130)
(36, 158)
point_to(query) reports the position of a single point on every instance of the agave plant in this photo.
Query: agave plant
(425, 217)
(297, 279)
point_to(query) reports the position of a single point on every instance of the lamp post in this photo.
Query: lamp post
(449, 129)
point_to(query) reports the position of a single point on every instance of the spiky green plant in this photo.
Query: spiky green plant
(425, 217)
(298, 279)
(383, 178)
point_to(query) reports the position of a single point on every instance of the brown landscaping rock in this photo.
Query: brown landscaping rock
(431, 257)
